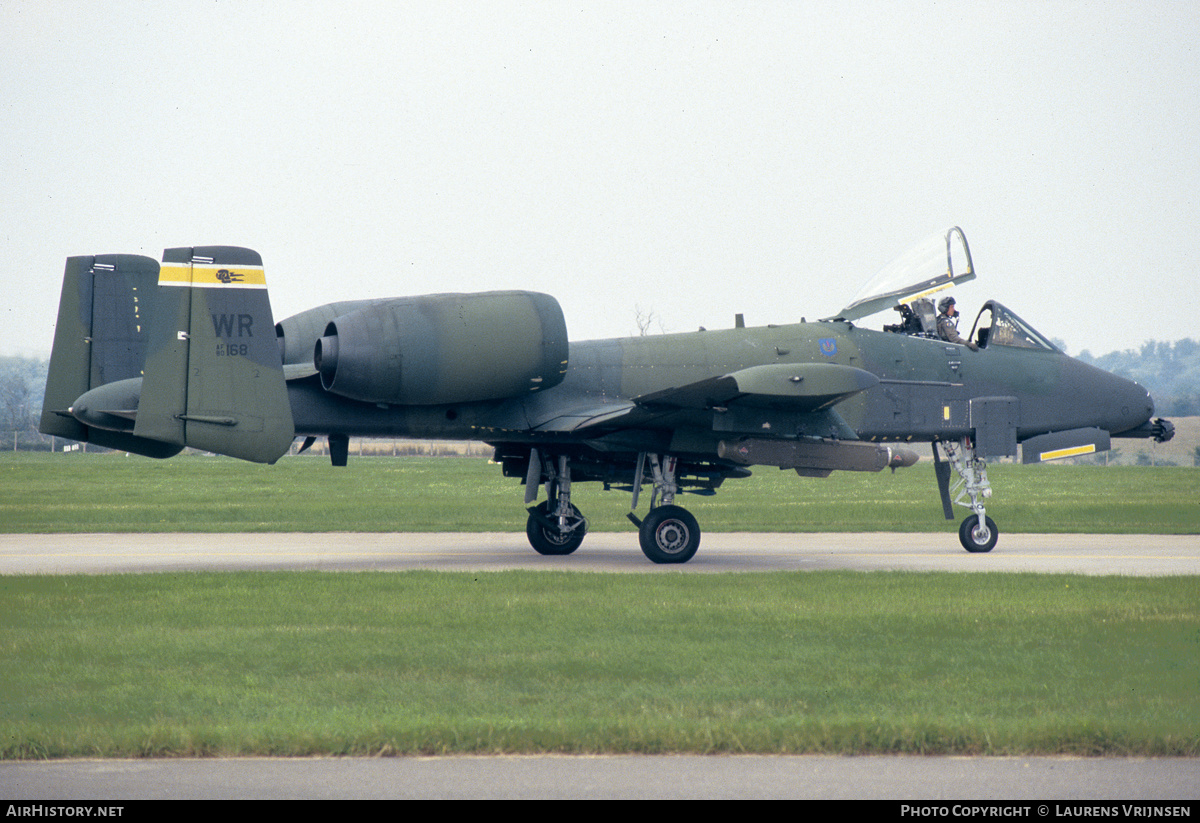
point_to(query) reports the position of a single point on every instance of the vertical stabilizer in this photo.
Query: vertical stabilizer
(213, 373)
(100, 338)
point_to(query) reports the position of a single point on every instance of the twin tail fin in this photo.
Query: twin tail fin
(203, 370)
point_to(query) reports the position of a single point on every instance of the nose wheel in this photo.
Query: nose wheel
(978, 533)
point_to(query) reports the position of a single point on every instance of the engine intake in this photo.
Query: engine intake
(445, 348)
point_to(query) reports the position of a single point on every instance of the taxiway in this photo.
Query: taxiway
(1139, 555)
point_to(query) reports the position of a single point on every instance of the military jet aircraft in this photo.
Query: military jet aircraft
(150, 358)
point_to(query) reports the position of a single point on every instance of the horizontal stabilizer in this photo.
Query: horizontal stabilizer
(299, 371)
(126, 442)
(112, 406)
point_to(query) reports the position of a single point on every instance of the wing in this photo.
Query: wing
(783, 387)
(802, 387)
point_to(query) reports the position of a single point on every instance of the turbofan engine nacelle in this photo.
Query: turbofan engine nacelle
(445, 348)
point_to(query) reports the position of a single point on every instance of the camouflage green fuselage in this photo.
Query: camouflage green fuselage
(924, 392)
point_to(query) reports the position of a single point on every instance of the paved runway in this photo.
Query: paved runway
(1141, 555)
(902, 779)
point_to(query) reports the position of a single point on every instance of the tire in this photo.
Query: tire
(551, 541)
(669, 534)
(975, 541)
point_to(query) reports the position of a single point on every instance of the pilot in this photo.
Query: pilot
(947, 324)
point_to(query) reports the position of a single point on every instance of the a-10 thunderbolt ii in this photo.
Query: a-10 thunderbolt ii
(151, 358)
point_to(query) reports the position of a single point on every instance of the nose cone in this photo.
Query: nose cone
(1131, 406)
(1106, 400)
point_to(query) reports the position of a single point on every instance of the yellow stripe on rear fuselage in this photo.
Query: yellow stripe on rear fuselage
(211, 276)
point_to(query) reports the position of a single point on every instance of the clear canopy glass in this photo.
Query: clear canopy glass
(997, 325)
(938, 263)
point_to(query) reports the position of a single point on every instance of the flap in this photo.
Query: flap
(590, 416)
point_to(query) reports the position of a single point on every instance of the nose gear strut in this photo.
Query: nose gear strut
(978, 532)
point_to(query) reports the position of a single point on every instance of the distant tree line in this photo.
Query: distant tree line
(1171, 371)
(22, 386)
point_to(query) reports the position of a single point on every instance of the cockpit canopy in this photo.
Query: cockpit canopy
(938, 263)
(996, 325)
(909, 283)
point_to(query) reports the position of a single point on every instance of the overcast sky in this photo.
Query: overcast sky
(690, 160)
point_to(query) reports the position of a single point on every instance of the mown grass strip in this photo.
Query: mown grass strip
(426, 662)
(114, 493)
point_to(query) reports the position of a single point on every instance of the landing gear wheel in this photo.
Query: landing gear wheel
(975, 539)
(669, 534)
(551, 541)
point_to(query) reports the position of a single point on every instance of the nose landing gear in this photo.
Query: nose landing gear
(978, 532)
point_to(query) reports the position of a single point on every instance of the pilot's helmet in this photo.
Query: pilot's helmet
(944, 304)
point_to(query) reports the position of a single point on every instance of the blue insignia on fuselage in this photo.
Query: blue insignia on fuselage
(828, 346)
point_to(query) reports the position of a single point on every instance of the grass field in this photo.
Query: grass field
(303, 663)
(85, 493)
(423, 662)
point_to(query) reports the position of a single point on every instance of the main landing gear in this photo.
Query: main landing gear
(668, 534)
(978, 532)
(555, 526)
